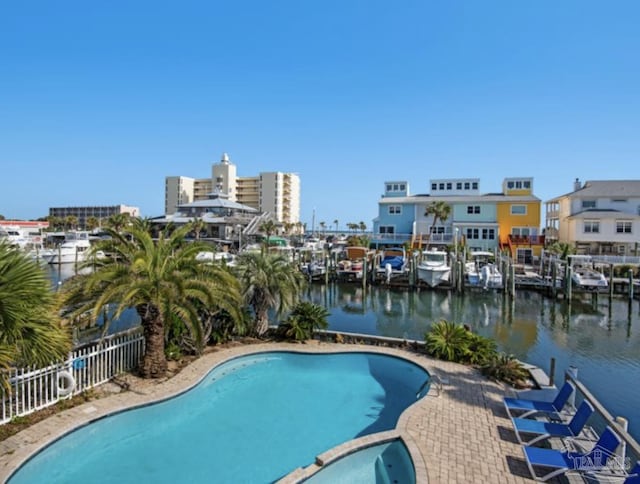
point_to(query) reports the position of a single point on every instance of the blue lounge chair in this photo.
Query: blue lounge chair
(532, 407)
(539, 430)
(557, 462)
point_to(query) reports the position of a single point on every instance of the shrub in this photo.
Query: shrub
(447, 341)
(480, 349)
(303, 320)
(506, 368)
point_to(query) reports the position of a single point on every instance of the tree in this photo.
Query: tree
(30, 332)
(303, 320)
(162, 281)
(119, 221)
(269, 227)
(197, 226)
(362, 226)
(440, 211)
(323, 226)
(70, 221)
(268, 282)
(2, 217)
(92, 223)
(335, 222)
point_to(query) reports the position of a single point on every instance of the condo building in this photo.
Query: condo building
(99, 212)
(274, 192)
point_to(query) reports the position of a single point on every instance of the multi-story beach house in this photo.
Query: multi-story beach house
(597, 217)
(275, 192)
(508, 220)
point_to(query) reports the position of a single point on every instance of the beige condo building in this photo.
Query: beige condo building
(274, 192)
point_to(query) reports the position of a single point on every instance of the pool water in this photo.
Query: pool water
(253, 419)
(386, 463)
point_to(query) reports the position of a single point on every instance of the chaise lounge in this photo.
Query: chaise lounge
(533, 407)
(530, 431)
(557, 462)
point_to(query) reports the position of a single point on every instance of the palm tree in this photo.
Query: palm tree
(268, 281)
(118, 221)
(162, 281)
(304, 319)
(30, 332)
(269, 227)
(70, 221)
(362, 226)
(335, 222)
(92, 223)
(197, 226)
(440, 211)
(323, 226)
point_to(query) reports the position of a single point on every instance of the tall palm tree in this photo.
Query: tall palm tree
(269, 227)
(362, 226)
(268, 281)
(335, 222)
(440, 211)
(30, 332)
(118, 221)
(92, 223)
(70, 221)
(323, 227)
(197, 226)
(162, 281)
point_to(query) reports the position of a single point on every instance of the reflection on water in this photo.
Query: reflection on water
(602, 341)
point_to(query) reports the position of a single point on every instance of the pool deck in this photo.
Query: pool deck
(461, 434)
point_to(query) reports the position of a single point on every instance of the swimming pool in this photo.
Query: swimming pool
(252, 419)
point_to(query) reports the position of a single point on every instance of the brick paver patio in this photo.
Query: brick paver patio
(460, 435)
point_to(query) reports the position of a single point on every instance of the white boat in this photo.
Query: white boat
(393, 263)
(14, 236)
(351, 265)
(584, 275)
(482, 272)
(75, 248)
(219, 257)
(434, 268)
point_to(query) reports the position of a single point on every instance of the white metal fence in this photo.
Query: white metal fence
(87, 366)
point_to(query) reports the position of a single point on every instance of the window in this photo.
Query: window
(474, 185)
(437, 230)
(488, 234)
(588, 204)
(518, 209)
(473, 209)
(623, 226)
(619, 200)
(449, 186)
(395, 187)
(459, 186)
(402, 187)
(527, 184)
(591, 227)
(395, 209)
(387, 229)
(389, 187)
(621, 250)
(466, 186)
(434, 186)
(441, 186)
(473, 234)
(518, 184)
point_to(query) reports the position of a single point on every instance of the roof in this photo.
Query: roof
(603, 213)
(489, 197)
(217, 203)
(605, 188)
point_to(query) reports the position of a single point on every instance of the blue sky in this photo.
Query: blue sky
(100, 101)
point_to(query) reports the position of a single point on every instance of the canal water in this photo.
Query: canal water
(602, 341)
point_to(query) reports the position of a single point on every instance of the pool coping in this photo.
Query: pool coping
(19, 448)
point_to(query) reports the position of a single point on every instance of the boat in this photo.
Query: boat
(225, 258)
(584, 275)
(351, 266)
(481, 271)
(393, 263)
(312, 263)
(75, 248)
(14, 236)
(434, 268)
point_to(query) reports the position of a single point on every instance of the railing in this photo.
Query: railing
(526, 239)
(629, 450)
(33, 389)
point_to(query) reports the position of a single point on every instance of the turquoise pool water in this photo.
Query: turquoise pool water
(253, 419)
(386, 463)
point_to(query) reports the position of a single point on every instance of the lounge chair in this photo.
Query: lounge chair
(529, 431)
(633, 477)
(558, 462)
(532, 407)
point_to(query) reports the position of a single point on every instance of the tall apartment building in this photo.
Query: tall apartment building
(99, 212)
(275, 192)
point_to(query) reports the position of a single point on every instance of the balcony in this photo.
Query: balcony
(529, 240)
